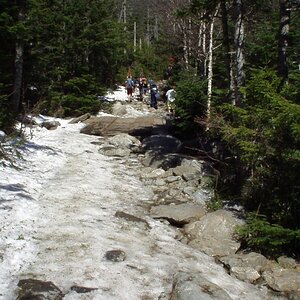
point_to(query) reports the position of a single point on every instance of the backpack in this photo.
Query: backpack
(129, 83)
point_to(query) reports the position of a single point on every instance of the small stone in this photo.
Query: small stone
(115, 255)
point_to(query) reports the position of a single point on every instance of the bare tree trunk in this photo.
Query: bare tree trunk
(226, 43)
(185, 45)
(210, 65)
(239, 45)
(19, 56)
(284, 24)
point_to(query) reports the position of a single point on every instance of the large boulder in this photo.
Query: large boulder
(112, 125)
(214, 233)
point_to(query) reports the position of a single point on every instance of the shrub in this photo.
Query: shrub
(270, 239)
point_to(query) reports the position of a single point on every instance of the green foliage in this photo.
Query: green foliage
(76, 106)
(270, 239)
(6, 117)
(264, 136)
(72, 50)
(216, 203)
(191, 102)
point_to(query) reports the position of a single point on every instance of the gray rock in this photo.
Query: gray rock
(283, 280)
(50, 124)
(82, 289)
(149, 173)
(38, 290)
(287, 262)
(195, 287)
(2, 136)
(188, 169)
(161, 143)
(213, 234)
(202, 196)
(246, 267)
(157, 160)
(171, 179)
(118, 109)
(110, 150)
(124, 141)
(131, 218)
(80, 119)
(181, 214)
(115, 255)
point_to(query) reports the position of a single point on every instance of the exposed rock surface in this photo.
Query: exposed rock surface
(213, 234)
(196, 287)
(112, 125)
(80, 118)
(179, 214)
(50, 124)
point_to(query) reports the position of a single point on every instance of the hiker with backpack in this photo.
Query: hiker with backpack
(129, 88)
(154, 96)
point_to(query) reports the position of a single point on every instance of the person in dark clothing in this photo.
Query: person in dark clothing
(154, 95)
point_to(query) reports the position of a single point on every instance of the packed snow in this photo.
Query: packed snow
(57, 214)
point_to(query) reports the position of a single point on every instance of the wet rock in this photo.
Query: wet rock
(34, 289)
(80, 119)
(115, 255)
(50, 124)
(179, 214)
(82, 289)
(161, 143)
(196, 287)
(213, 234)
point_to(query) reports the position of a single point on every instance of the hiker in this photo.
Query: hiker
(154, 96)
(129, 88)
(171, 94)
(143, 88)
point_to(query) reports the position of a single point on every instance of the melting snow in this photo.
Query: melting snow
(57, 215)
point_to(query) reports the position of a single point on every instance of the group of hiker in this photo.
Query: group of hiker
(147, 87)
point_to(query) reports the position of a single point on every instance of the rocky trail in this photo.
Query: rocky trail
(96, 213)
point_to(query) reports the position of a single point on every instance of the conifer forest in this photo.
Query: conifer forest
(236, 67)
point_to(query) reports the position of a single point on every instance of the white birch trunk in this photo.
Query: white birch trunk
(210, 66)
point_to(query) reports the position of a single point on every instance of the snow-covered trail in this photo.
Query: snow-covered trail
(58, 220)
